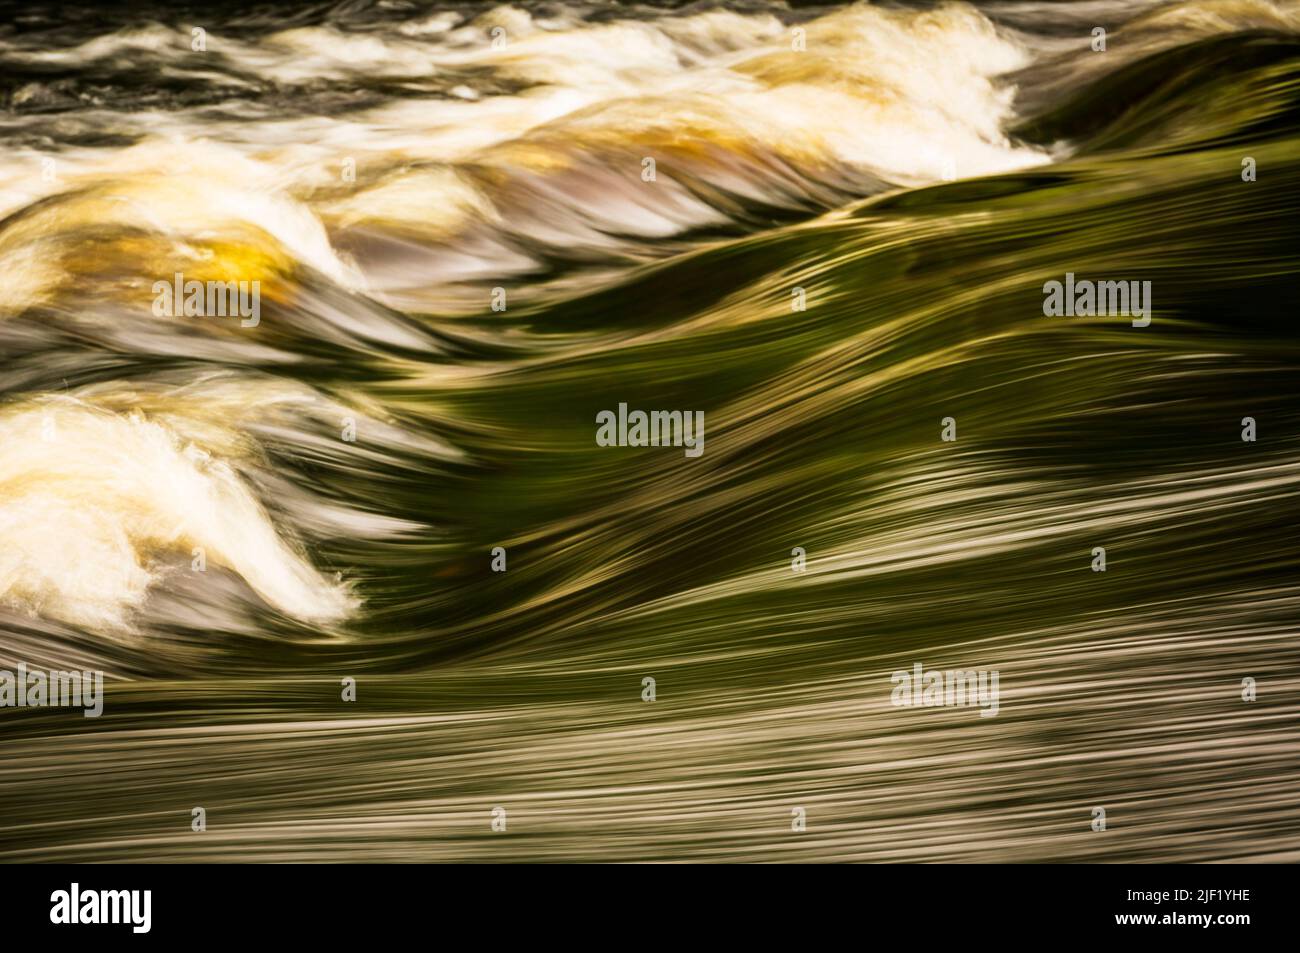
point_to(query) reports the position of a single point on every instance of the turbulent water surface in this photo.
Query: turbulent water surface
(474, 228)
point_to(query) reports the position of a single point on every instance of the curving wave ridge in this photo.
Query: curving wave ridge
(919, 172)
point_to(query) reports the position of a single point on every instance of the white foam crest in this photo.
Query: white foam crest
(476, 177)
(93, 502)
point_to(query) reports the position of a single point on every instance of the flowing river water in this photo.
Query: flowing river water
(840, 240)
